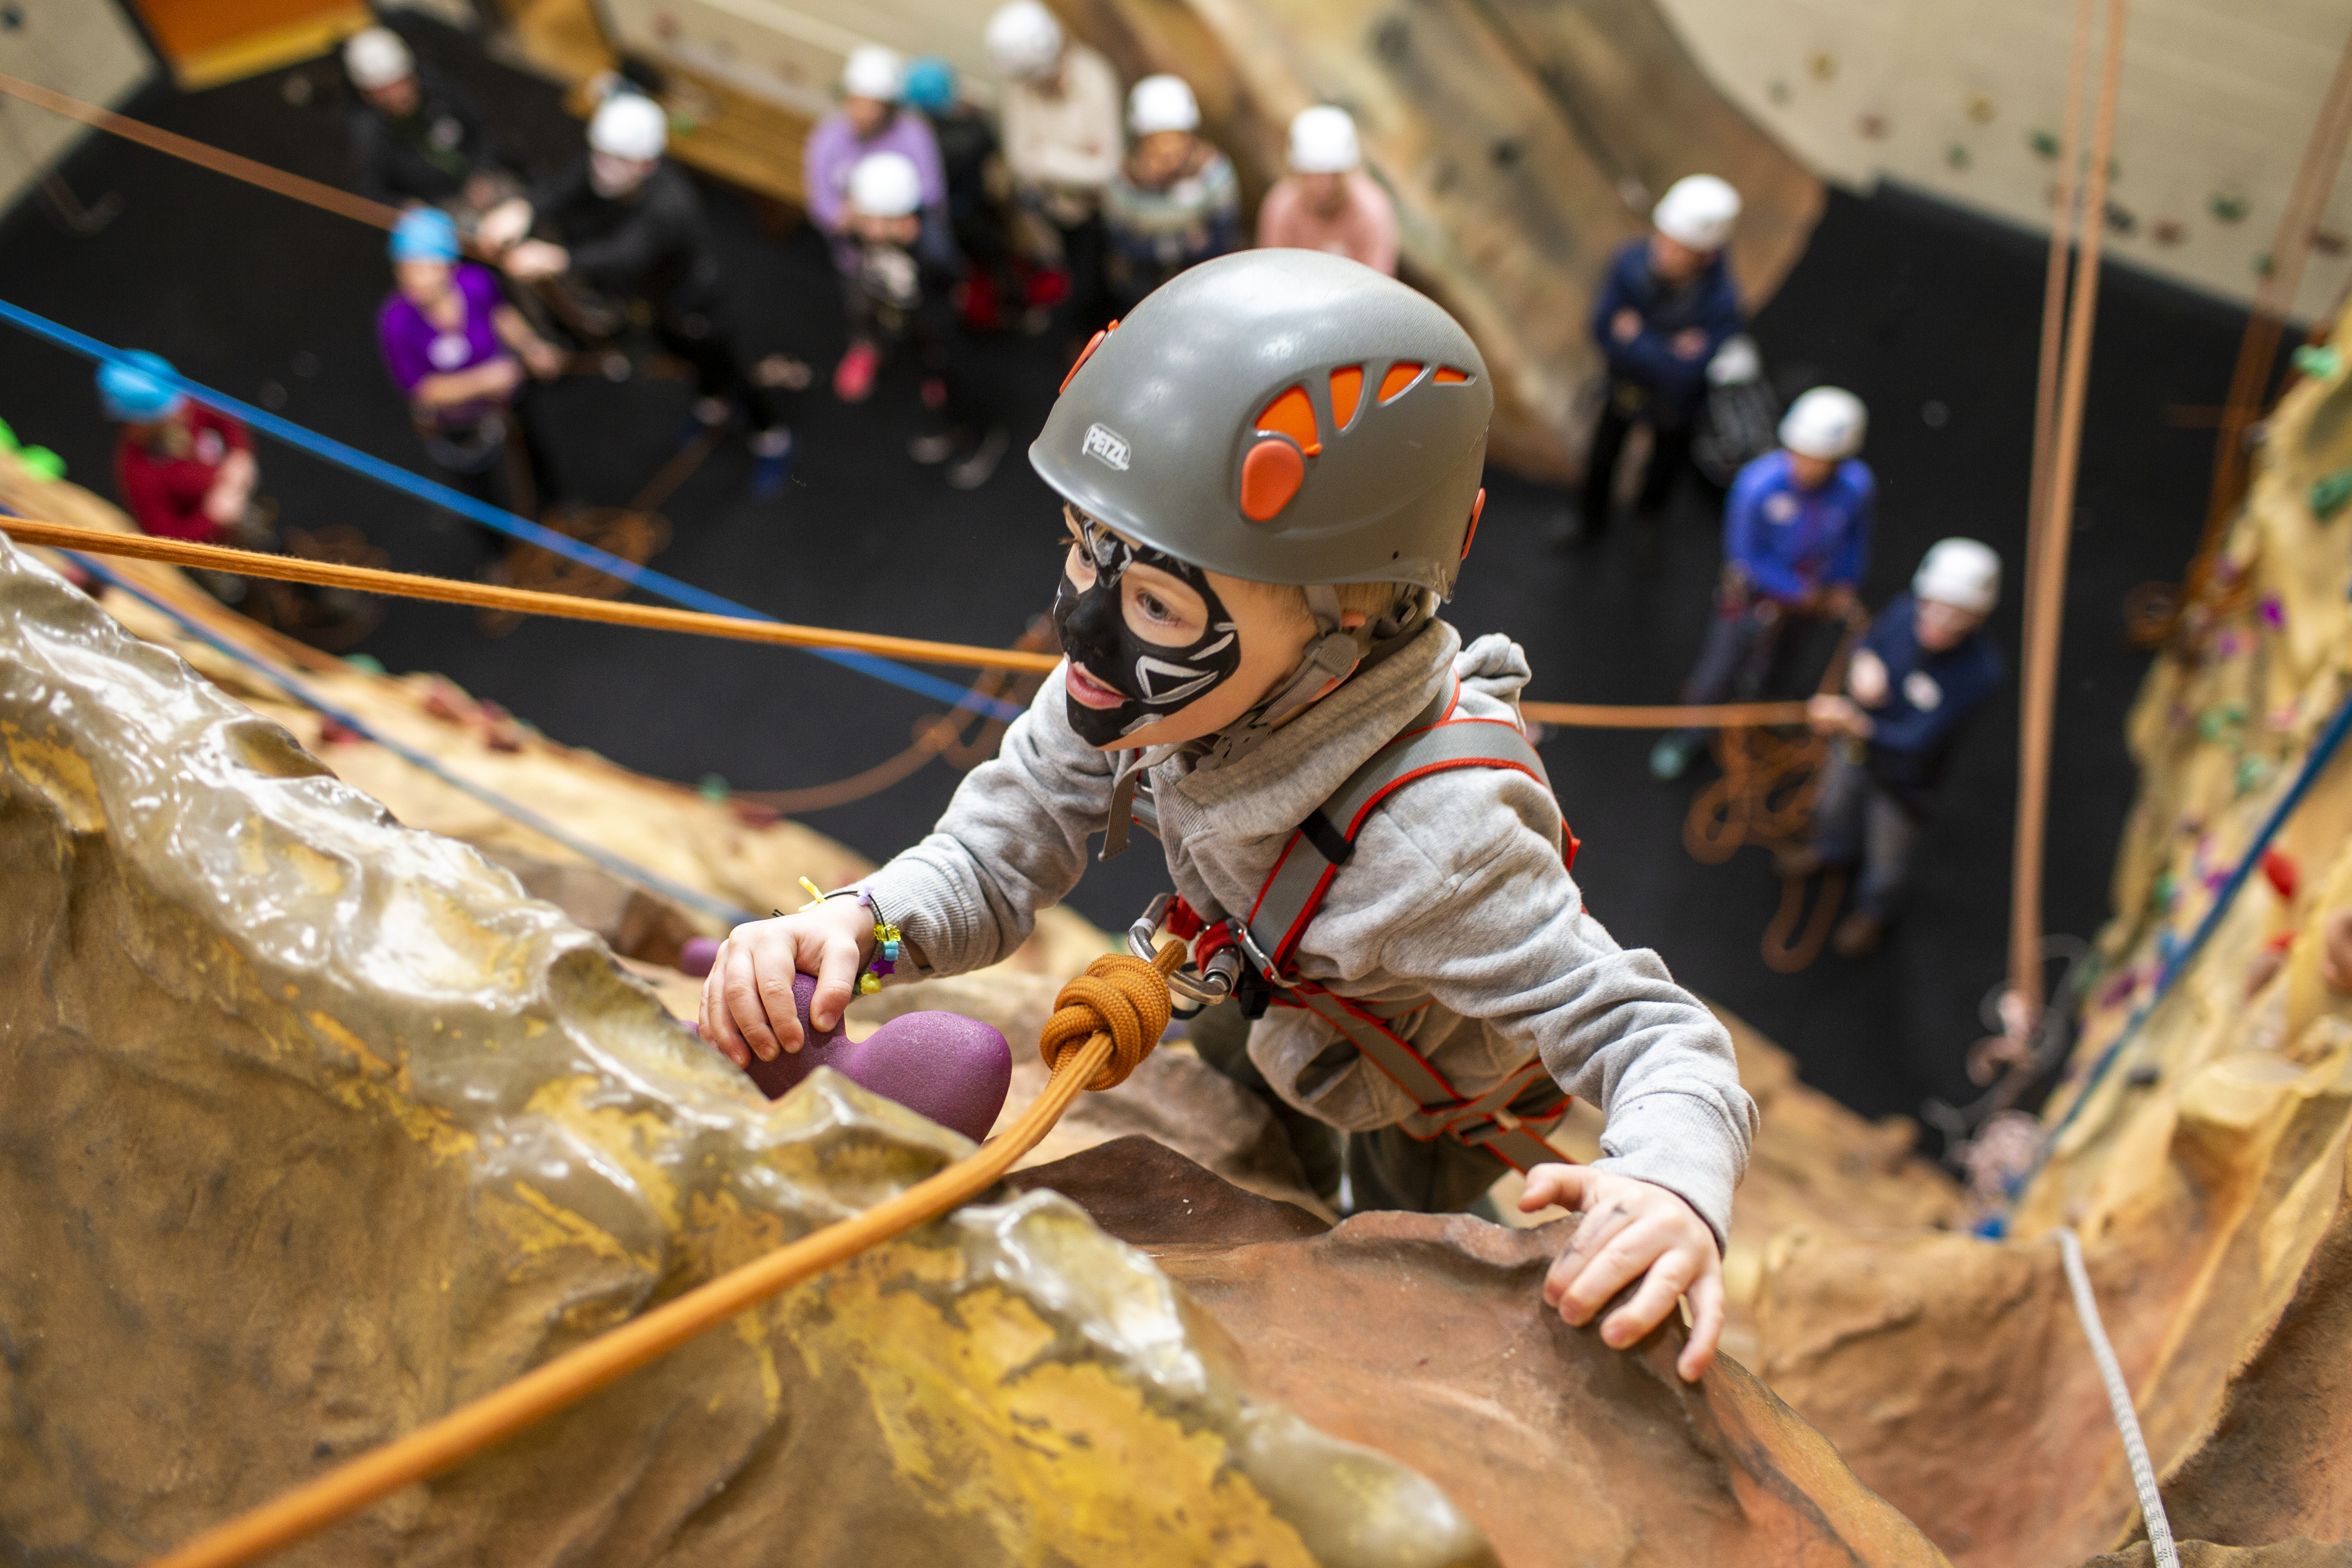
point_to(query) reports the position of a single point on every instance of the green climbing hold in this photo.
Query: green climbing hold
(7, 437)
(713, 788)
(2213, 721)
(2318, 362)
(41, 461)
(2329, 494)
(2162, 891)
(2252, 773)
(364, 661)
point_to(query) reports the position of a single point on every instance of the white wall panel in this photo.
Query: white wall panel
(84, 48)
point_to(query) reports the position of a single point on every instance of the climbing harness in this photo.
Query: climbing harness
(1104, 1024)
(1253, 958)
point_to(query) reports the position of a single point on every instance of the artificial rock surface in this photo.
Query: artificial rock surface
(2203, 1162)
(320, 1127)
(317, 1127)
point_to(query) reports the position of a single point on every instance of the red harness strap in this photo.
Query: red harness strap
(1435, 741)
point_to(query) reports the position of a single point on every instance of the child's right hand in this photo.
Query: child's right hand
(747, 998)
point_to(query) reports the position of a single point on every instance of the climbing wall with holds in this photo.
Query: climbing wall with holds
(2196, 1140)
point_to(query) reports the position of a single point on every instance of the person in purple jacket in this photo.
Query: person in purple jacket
(1665, 309)
(869, 120)
(463, 357)
(1796, 541)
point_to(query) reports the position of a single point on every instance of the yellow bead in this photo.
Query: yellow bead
(868, 983)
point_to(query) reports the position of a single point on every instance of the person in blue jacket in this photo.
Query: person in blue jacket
(1665, 307)
(1923, 670)
(1796, 541)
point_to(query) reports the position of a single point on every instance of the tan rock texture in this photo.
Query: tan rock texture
(1523, 142)
(317, 1126)
(2203, 1162)
(1424, 1336)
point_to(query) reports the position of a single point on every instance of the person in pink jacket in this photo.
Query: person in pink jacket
(1328, 202)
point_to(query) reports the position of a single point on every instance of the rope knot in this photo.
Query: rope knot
(1124, 997)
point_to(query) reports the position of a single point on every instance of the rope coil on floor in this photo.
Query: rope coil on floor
(1137, 992)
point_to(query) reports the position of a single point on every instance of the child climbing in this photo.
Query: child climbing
(1270, 478)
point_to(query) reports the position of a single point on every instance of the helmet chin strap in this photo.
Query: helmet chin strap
(1338, 651)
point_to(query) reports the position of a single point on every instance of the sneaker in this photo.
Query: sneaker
(782, 371)
(934, 449)
(1858, 935)
(852, 378)
(1671, 757)
(771, 451)
(975, 468)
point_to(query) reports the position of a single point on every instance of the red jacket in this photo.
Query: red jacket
(165, 494)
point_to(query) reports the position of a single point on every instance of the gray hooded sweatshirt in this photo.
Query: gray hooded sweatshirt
(1456, 893)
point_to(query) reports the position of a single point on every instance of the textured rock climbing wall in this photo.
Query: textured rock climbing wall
(1523, 139)
(317, 1127)
(2199, 1147)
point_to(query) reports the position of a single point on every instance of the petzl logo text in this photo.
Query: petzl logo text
(1108, 445)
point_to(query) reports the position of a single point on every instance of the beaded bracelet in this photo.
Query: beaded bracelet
(887, 942)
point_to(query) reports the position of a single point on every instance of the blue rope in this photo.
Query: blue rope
(627, 870)
(2314, 762)
(657, 583)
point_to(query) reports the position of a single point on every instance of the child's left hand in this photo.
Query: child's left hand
(1631, 1227)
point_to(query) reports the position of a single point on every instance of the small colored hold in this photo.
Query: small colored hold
(7, 437)
(2318, 360)
(713, 788)
(2329, 494)
(2273, 613)
(2280, 870)
(2252, 773)
(367, 662)
(42, 462)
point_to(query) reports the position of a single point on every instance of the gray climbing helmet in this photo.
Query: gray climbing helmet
(1283, 416)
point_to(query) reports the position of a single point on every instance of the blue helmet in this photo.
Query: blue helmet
(424, 235)
(930, 85)
(136, 387)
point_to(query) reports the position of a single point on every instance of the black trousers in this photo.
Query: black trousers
(515, 477)
(701, 341)
(1086, 308)
(1669, 457)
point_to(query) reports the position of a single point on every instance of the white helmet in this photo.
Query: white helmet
(1697, 210)
(886, 185)
(1024, 40)
(1162, 104)
(377, 58)
(874, 72)
(1961, 573)
(629, 125)
(1323, 141)
(1828, 422)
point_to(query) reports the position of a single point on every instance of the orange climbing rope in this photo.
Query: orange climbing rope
(655, 617)
(1104, 1024)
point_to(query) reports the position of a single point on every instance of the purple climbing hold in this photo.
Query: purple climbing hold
(698, 955)
(951, 1068)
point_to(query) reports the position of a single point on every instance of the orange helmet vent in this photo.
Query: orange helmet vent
(1291, 414)
(1347, 391)
(1447, 376)
(1400, 376)
(1084, 354)
(1271, 475)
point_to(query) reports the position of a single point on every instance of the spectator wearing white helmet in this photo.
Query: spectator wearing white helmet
(1176, 200)
(869, 120)
(630, 232)
(1326, 202)
(416, 138)
(1796, 542)
(1062, 144)
(1925, 670)
(904, 273)
(1665, 307)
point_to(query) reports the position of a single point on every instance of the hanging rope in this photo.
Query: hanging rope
(1103, 1025)
(2045, 587)
(655, 617)
(2120, 1401)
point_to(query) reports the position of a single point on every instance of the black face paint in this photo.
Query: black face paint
(1155, 679)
